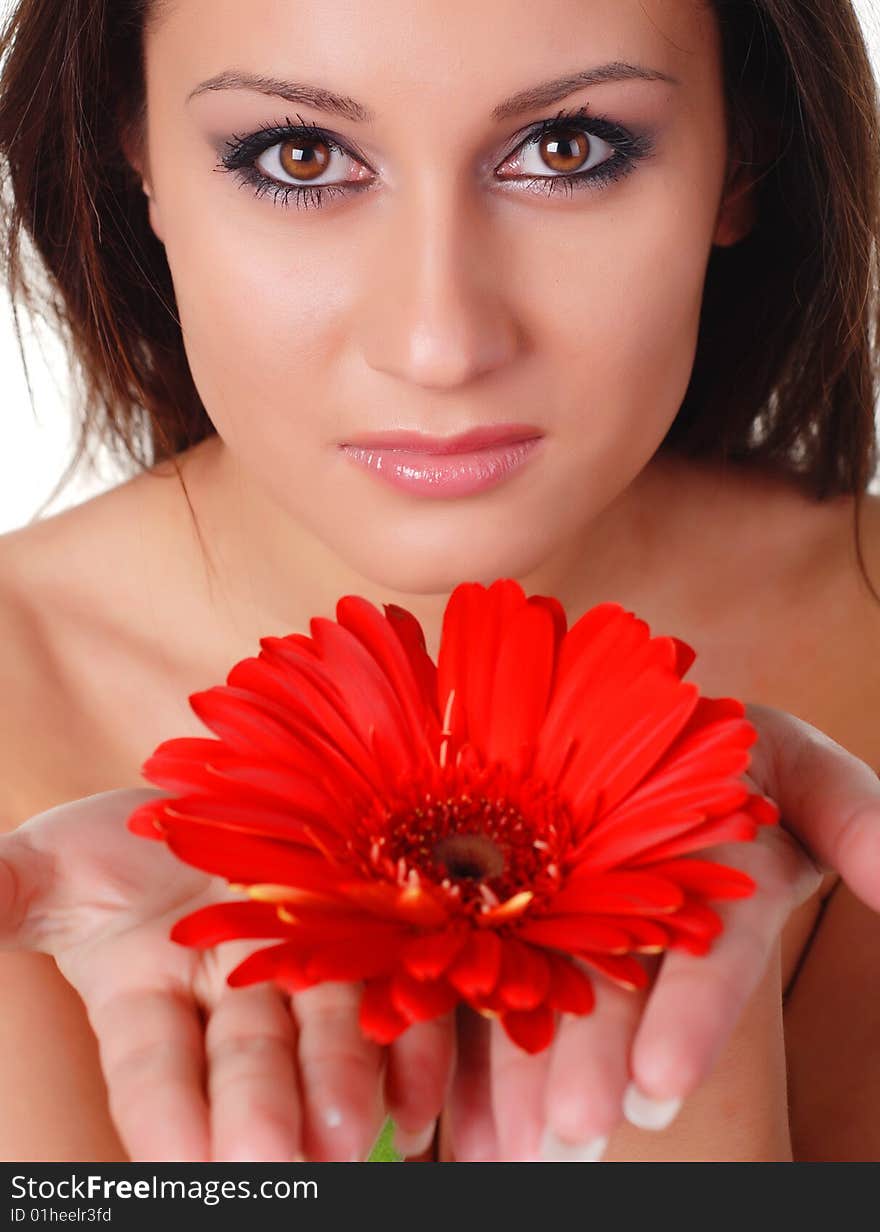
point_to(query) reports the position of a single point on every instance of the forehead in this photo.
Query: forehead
(451, 53)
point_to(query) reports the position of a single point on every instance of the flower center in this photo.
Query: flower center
(469, 855)
(482, 841)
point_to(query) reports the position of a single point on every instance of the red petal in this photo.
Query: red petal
(532, 1030)
(616, 893)
(737, 828)
(475, 972)
(178, 765)
(696, 782)
(695, 923)
(616, 750)
(684, 656)
(421, 1000)
(557, 615)
(574, 933)
(605, 649)
(474, 621)
(383, 642)
(705, 878)
(256, 727)
(622, 969)
(228, 921)
(412, 639)
(408, 904)
(570, 989)
(249, 860)
(428, 956)
(763, 809)
(525, 976)
(358, 956)
(146, 819)
(378, 1018)
(523, 676)
(300, 701)
(284, 963)
(237, 810)
(646, 936)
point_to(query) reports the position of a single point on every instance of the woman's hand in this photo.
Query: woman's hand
(196, 1070)
(639, 1055)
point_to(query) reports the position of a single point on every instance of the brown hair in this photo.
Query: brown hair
(787, 370)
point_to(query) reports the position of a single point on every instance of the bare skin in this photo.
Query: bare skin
(444, 297)
(115, 682)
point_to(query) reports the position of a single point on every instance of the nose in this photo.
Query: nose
(435, 312)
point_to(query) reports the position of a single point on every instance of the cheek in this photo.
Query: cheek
(626, 313)
(260, 322)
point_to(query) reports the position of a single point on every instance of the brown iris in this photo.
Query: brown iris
(565, 153)
(305, 160)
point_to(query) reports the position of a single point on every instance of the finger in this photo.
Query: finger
(697, 1000)
(518, 1079)
(152, 1056)
(250, 1045)
(341, 1073)
(828, 798)
(24, 876)
(589, 1072)
(417, 1078)
(471, 1121)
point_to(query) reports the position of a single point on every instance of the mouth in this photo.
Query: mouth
(490, 436)
(445, 474)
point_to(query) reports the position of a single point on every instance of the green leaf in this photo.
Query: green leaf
(383, 1151)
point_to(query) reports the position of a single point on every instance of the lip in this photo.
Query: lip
(445, 475)
(465, 442)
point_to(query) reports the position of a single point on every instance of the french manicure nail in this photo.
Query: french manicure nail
(646, 1113)
(555, 1151)
(416, 1142)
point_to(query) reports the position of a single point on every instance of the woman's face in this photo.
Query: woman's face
(451, 278)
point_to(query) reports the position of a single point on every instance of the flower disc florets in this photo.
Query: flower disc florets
(482, 841)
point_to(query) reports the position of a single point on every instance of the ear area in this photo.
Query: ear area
(132, 139)
(753, 150)
(738, 212)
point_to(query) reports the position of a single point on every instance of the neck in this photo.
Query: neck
(263, 574)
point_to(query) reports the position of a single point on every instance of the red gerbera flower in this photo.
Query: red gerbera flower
(481, 830)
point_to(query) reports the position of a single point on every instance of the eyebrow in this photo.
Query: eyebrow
(524, 100)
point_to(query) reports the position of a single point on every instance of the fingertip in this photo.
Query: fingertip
(661, 1072)
(413, 1143)
(647, 1112)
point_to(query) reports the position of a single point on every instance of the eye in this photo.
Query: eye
(564, 149)
(301, 163)
(305, 161)
(296, 163)
(577, 150)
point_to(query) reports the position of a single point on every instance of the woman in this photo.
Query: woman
(703, 308)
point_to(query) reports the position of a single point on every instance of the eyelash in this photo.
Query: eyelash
(243, 151)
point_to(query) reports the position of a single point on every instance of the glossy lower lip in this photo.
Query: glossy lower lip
(455, 474)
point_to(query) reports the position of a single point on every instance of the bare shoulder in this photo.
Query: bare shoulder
(32, 714)
(788, 600)
(836, 644)
(84, 690)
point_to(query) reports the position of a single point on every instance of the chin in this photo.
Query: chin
(408, 568)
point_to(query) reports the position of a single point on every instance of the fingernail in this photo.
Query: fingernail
(415, 1142)
(555, 1151)
(646, 1113)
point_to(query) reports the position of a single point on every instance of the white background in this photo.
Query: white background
(36, 441)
